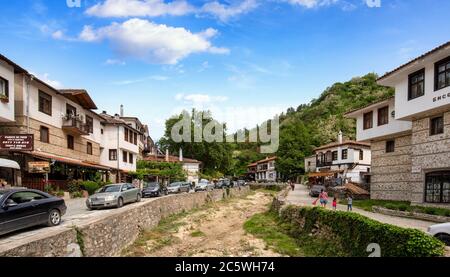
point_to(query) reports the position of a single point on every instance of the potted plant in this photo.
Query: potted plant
(4, 98)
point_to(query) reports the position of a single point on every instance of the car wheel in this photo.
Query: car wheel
(120, 203)
(444, 238)
(138, 198)
(54, 218)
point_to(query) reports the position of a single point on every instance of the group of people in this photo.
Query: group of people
(323, 199)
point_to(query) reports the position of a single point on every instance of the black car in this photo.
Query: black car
(154, 190)
(24, 208)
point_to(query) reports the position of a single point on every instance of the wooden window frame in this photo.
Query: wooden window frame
(70, 142)
(90, 124)
(113, 154)
(70, 108)
(385, 116)
(125, 156)
(45, 97)
(47, 137)
(126, 134)
(6, 92)
(365, 116)
(388, 144)
(131, 158)
(410, 83)
(344, 154)
(89, 148)
(334, 155)
(135, 138)
(361, 155)
(435, 132)
(436, 74)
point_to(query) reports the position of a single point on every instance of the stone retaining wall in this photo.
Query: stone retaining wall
(420, 216)
(109, 235)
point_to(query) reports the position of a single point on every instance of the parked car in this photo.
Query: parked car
(179, 187)
(204, 186)
(315, 190)
(154, 190)
(441, 232)
(24, 208)
(241, 183)
(223, 183)
(115, 195)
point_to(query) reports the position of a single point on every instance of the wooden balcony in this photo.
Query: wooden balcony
(75, 127)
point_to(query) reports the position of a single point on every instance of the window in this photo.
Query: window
(437, 126)
(309, 163)
(113, 155)
(90, 124)
(135, 139)
(361, 155)
(442, 74)
(437, 187)
(70, 142)
(416, 84)
(45, 103)
(4, 87)
(390, 146)
(71, 110)
(44, 134)
(89, 148)
(131, 158)
(335, 155)
(345, 154)
(101, 131)
(126, 134)
(383, 116)
(25, 197)
(125, 156)
(368, 120)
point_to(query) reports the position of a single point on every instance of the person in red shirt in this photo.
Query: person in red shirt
(323, 198)
(335, 203)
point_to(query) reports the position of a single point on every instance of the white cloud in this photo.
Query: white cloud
(134, 81)
(200, 99)
(114, 62)
(312, 3)
(225, 12)
(155, 43)
(129, 8)
(46, 79)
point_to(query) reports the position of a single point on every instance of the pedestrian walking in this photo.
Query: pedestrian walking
(349, 203)
(335, 203)
(323, 197)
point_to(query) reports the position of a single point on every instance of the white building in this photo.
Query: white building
(349, 160)
(264, 170)
(410, 133)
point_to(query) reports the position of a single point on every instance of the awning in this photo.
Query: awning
(9, 164)
(323, 174)
(69, 161)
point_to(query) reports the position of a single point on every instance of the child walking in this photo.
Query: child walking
(335, 203)
(349, 203)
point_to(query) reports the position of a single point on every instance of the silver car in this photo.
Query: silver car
(204, 186)
(115, 195)
(179, 187)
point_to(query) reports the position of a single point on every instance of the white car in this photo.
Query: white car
(441, 232)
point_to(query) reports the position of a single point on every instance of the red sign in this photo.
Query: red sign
(16, 142)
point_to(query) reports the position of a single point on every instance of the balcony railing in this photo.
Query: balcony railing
(75, 126)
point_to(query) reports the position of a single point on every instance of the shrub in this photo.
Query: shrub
(403, 207)
(77, 194)
(49, 188)
(90, 186)
(356, 232)
(74, 186)
(59, 193)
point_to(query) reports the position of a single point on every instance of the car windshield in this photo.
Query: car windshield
(115, 188)
(151, 185)
(175, 185)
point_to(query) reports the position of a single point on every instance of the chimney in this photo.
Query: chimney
(104, 112)
(167, 155)
(340, 138)
(121, 111)
(181, 155)
(117, 116)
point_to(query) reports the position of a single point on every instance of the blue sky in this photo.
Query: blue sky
(244, 59)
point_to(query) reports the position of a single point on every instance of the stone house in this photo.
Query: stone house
(410, 132)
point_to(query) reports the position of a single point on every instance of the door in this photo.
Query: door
(437, 187)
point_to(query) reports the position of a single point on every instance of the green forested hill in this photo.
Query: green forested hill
(317, 123)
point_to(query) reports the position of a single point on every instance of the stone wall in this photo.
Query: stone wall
(109, 235)
(391, 172)
(429, 153)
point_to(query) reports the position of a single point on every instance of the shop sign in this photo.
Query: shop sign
(16, 142)
(39, 167)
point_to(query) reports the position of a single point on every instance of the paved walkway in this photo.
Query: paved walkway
(301, 197)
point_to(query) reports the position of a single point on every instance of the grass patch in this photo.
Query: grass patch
(267, 227)
(404, 206)
(197, 234)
